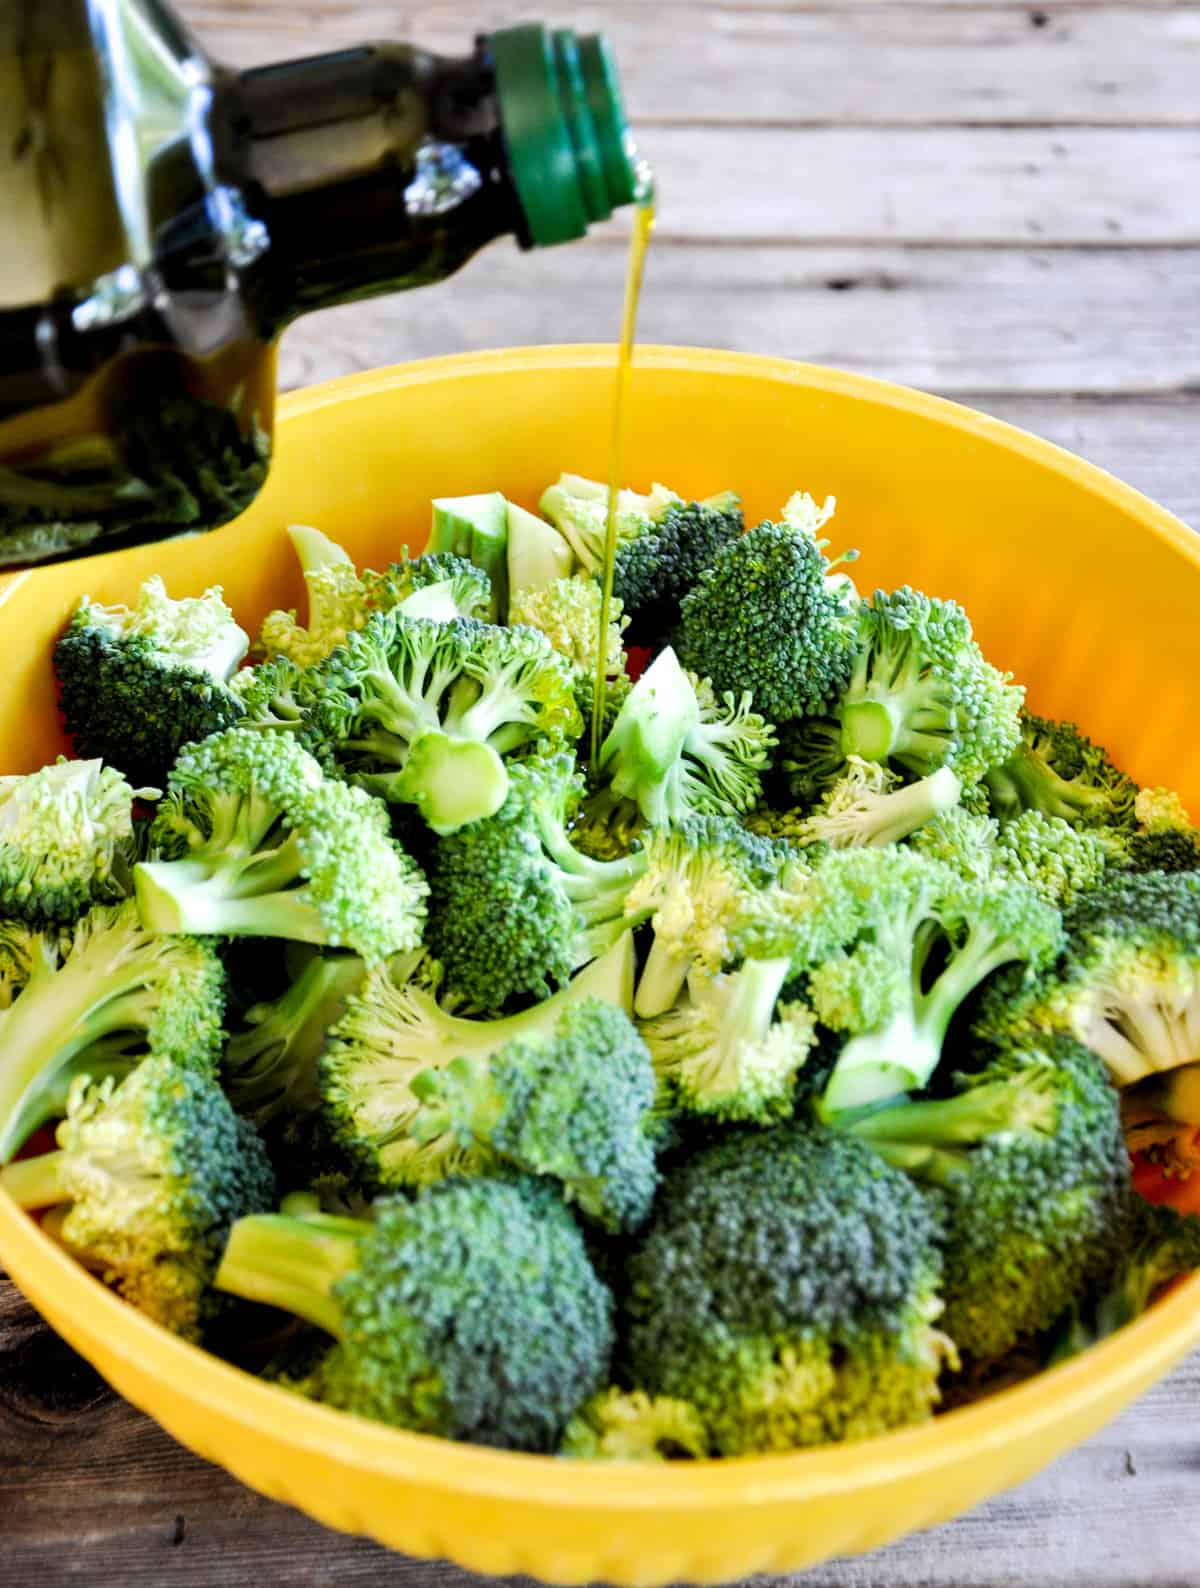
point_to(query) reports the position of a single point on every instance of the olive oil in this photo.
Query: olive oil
(643, 226)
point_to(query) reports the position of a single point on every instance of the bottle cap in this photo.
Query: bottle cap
(570, 150)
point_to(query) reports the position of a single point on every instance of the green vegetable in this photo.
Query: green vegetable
(629, 1425)
(476, 529)
(1055, 769)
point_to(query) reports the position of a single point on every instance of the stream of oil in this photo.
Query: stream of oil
(643, 225)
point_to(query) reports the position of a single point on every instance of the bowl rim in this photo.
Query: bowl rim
(1152, 1342)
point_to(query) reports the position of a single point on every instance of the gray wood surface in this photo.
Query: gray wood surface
(995, 201)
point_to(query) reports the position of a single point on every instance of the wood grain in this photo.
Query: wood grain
(912, 65)
(1056, 320)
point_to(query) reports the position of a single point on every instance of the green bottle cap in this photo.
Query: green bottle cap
(570, 151)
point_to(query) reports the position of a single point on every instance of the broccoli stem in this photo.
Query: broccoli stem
(184, 896)
(869, 730)
(877, 1065)
(35, 1182)
(662, 979)
(451, 781)
(291, 1263)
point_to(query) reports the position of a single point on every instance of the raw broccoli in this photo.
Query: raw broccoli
(1159, 1245)
(567, 612)
(475, 529)
(259, 843)
(1055, 769)
(787, 1287)
(893, 944)
(1128, 984)
(394, 1028)
(572, 1105)
(1058, 861)
(472, 1312)
(270, 1065)
(676, 751)
(66, 840)
(20, 948)
(155, 1169)
(96, 1005)
(420, 712)
(865, 808)
(730, 1048)
(578, 509)
(1164, 839)
(920, 696)
(964, 840)
(515, 909)
(629, 1425)
(655, 569)
(765, 617)
(1031, 1162)
(137, 683)
(699, 880)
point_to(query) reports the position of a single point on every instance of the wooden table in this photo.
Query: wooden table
(996, 201)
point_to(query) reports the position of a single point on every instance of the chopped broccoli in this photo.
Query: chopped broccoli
(865, 808)
(475, 529)
(730, 1048)
(1055, 769)
(156, 1169)
(335, 601)
(572, 1105)
(270, 1065)
(537, 554)
(787, 1287)
(137, 683)
(455, 695)
(1058, 861)
(1030, 1159)
(394, 1028)
(1159, 1245)
(260, 843)
(893, 944)
(1164, 839)
(964, 840)
(699, 880)
(655, 569)
(96, 1005)
(578, 509)
(764, 617)
(629, 1425)
(515, 908)
(676, 751)
(920, 696)
(66, 840)
(567, 612)
(472, 1312)
(1128, 984)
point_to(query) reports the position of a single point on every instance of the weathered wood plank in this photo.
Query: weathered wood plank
(853, 64)
(956, 320)
(101, 1496)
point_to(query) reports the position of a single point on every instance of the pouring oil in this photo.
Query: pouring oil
(643, 225)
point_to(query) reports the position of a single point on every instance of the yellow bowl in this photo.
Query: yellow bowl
(1082, 587)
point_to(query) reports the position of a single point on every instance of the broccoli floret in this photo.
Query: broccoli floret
(699, 881)
(1055, 769)
(155, 1169)
(787, 1287)
(1159, 1245)
(578, 509)
(676, 751)
(962, 839)
(730, 1048)
(66, 840)
(394, 1028)
(1164, 839)
(420, 712)
(137, 683)
(893, 944)
(261, 844)
(655, 569)
(96, 1004)
(20, 948)
(270, 1065)
(920, 696)
(567, 612)
(1058, 861)
(865, 808)
(472, 1312)
(1128, 985)
(573, 1105)
(515, 908)
(629, 1425)
(765, 617)
(1029, 1155)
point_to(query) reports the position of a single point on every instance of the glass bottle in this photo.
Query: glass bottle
(166, 219)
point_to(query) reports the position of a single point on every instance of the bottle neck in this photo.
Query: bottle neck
(372, 170)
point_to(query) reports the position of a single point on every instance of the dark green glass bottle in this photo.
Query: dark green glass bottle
(165, 220)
